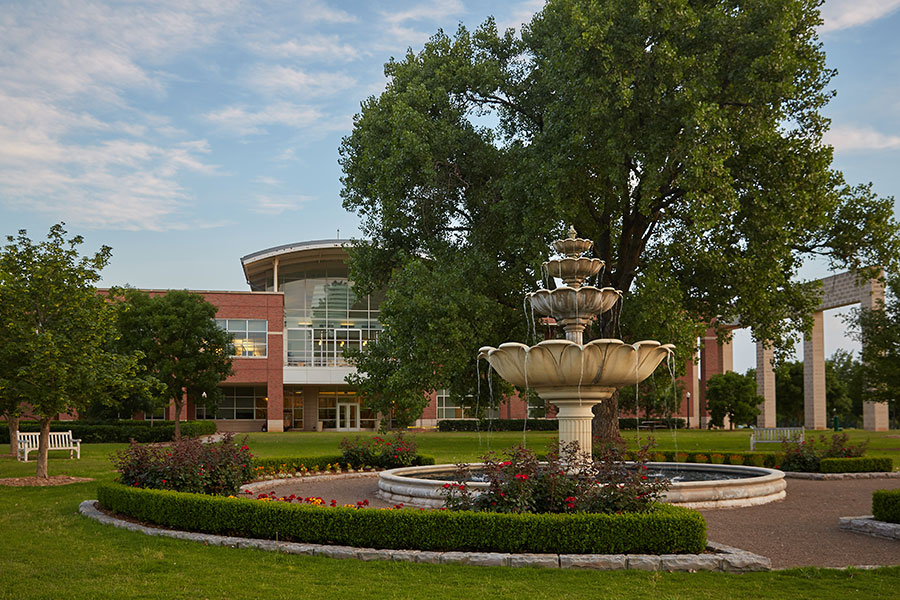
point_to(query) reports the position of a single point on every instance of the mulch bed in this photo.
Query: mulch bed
(42, 481)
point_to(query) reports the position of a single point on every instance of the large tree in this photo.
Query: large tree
(57, 332)
(181, 344)
(683, 137)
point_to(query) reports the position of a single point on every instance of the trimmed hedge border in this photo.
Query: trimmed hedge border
(666, 530)
(498, 425)
(862, 464)
(886, 506)
(119, 431)
(718, 557)
(294, 464)
(770, 460)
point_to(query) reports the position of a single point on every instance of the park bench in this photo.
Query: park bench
(59, 440)
(774, 435)
(653, 425)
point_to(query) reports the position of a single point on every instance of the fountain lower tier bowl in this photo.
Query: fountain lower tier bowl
(694, 485)
(560, 369)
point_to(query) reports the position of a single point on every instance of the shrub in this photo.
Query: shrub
(568, 481)
(389, 452)
(309, 464)
(122, 432)
(187, 466)
(663, 530)
(735, 459)
(681, 457)
(717, 459)
(886, 506)
(806, 456)
(498, 425)
(855, 465)
(701, 458)
(756, 460)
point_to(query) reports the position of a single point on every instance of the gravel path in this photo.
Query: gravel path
(801, 530)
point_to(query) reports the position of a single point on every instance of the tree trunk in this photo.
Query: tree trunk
(43, 448)
(605, 425)
(13, 423)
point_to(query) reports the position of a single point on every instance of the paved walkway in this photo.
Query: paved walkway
(801, 530)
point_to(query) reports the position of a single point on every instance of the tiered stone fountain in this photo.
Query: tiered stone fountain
(568, 373)
(576, 376)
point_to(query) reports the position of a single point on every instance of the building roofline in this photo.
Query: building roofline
(294, 247)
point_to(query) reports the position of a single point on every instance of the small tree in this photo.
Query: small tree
(56, 330)
(181, 344)
(734, 395)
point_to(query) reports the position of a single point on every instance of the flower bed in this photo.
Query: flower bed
(662, 530)
(278, 467)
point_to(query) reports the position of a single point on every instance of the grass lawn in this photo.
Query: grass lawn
(51, 552)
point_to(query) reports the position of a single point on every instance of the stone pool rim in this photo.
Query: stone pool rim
(763, 486)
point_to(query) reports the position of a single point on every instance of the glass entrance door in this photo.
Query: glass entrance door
(347, 417)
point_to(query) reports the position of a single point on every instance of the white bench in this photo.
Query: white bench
(774, 435)
(59, 440)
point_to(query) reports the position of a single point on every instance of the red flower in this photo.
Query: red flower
(334, 502)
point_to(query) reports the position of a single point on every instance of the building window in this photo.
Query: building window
(238, 402)
(446, 409)
(250, 336)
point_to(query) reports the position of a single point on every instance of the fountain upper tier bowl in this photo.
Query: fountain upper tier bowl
(563, 365)
(572, 270)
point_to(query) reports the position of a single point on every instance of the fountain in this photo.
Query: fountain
(575, 376)
(567, 373)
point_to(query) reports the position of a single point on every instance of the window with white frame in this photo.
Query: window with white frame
(250, 336)
(446, 409)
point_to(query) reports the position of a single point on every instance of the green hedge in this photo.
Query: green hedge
(771, 460)
(498, 425)
(94, 432)
(293, 464)
(633, 422)
(666, 530)
(863, 464)
(886, 506)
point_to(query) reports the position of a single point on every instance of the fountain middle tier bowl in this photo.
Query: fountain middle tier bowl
(567, 302)
(556, 367)
(572, 270)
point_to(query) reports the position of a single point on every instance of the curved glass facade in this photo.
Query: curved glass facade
(322, 315)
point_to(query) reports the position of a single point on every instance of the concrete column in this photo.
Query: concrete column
(765, 384)
(815, 416)
(875, 414)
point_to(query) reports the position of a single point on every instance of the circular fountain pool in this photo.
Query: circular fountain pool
(693, 485)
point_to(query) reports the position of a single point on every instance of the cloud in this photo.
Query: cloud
(843, 14)
(246, 121)
(435, 10)
(277, 79)
(848, 138)
(520, 15)
(276, 205)
(311, 47)
(316, 11)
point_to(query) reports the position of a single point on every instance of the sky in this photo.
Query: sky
(188, 134)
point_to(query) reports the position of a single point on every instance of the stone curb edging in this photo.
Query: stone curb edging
(869, 526)
(831, 476)
(722, 557)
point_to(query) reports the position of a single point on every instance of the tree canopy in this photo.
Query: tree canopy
(181, 344)
(734, 396)
(684, 138)
(57, 332)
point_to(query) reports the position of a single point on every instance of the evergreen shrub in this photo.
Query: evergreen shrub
(886, 506)
(119, 432)
(664, 530)
(498, 425)
(856, 465)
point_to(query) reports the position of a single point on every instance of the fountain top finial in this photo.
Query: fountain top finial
(572, 245)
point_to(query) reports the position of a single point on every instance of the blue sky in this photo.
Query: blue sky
(187, 134)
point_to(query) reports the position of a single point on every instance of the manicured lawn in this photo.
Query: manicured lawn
(51, 552)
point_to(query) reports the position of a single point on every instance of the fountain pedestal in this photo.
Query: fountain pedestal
(575, 412)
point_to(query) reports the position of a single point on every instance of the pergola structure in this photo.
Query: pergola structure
(840, 290)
